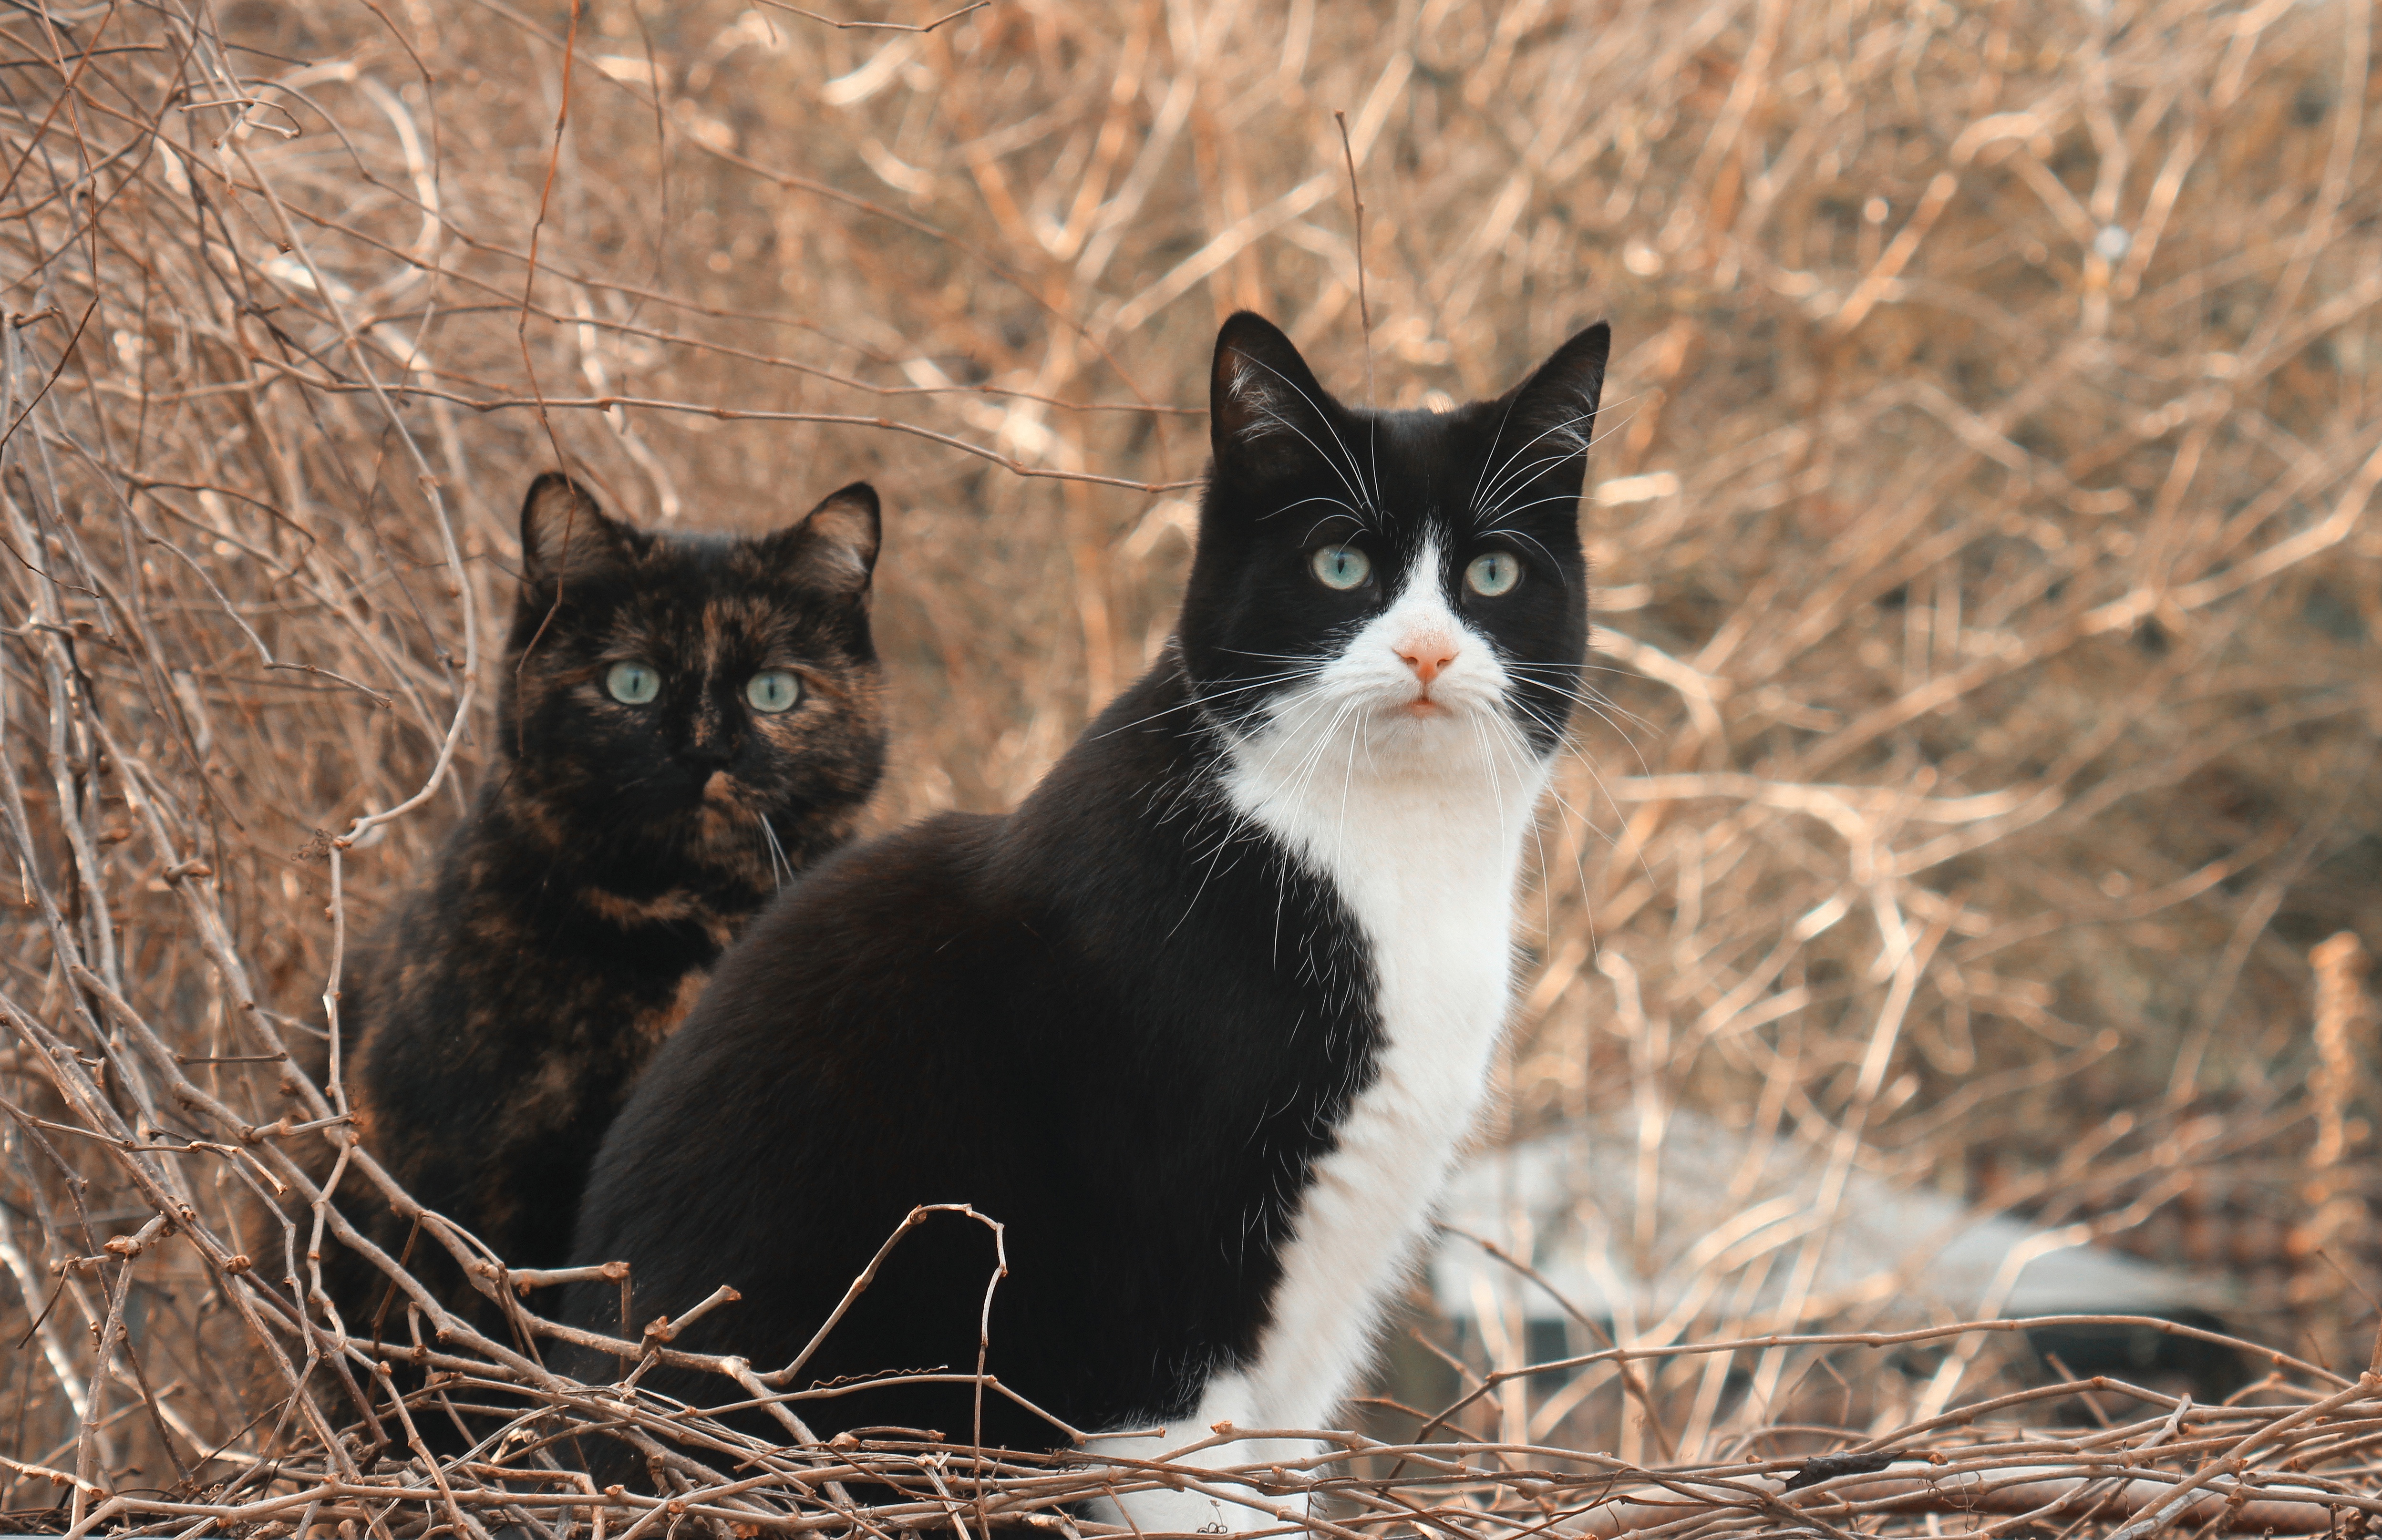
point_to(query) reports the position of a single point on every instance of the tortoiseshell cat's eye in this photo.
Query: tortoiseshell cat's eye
(633, 683)
(773, 691)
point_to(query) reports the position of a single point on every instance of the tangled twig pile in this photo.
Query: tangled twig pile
(2301, 1466)
(1985, 534)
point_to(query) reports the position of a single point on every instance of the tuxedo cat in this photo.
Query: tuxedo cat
(1204, 1022)
(684, 722)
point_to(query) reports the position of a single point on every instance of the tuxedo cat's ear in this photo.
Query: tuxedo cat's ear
(834, 546)
(1265, 409)
(1549, 419)
(565, 535)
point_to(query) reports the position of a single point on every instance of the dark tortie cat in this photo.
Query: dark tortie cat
(685, 722)
(1203, 1023)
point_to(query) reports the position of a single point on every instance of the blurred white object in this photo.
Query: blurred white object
(1741, 1236)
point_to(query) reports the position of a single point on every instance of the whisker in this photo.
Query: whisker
(1506, 474)
(1507, 512)
(1557, 566)
(1356, 488)
(1197, 699)
(1591, 699)
(1495, 439)
(1350, 512)
(780, 869)
(1502, 477)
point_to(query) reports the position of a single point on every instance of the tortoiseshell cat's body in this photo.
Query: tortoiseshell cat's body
(685, 722)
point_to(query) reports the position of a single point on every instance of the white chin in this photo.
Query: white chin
(1420, 727)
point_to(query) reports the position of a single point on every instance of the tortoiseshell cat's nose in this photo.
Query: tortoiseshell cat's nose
(709, 744)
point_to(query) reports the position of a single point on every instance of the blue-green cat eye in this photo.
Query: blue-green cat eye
(633, 683)
(774, 690)
(1342, 567)
(1494, 573)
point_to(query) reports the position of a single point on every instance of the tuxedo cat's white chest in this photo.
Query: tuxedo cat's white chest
(1427, 874)
(1423, 856)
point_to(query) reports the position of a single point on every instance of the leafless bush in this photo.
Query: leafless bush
(1986, 576)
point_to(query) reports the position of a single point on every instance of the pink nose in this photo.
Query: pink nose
(1428, 654)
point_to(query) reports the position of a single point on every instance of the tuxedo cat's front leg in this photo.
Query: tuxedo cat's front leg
(1225, 1507)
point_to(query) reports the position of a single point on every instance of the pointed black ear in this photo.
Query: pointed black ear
(1265, 410)
(834, 546)
(1550, 419)
(564, 535)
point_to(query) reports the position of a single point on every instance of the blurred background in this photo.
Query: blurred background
(1952, 907)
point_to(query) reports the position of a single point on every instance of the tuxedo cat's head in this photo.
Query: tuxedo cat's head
(1405, 585)
(673, 691)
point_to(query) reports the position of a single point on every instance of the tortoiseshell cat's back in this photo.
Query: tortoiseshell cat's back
(685, 722)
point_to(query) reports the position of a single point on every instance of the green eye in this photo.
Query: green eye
(633, 684)
(774, 690)
(1342, 567)
(1494, 574)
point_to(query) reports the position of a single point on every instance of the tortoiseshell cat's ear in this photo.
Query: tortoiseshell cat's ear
(1266, 411)
(564, 534)
(834, 546)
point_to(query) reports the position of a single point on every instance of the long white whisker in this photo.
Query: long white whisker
(1561, 576)
(1354, 515)
(1197, 699)
(1498, 479)
(1356, 488)
(1623, 733)
(1592, 698)
(780, 867)
(1505, 474)
(1509, 510)
(1495, 439)
(1373, 448)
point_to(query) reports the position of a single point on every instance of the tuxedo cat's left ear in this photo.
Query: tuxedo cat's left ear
(1548, 420)
(1266, 411)
(834, 546)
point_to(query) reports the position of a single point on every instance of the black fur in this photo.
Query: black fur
(1116, 1021)
(495, 1023)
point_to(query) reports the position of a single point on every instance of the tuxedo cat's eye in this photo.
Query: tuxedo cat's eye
(1342, 567)
(633, 684)
(1492, 573)
(774, 690)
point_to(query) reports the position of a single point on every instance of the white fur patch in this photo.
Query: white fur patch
(1417, 822)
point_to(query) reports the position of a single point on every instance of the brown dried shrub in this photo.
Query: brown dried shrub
(1983, 526)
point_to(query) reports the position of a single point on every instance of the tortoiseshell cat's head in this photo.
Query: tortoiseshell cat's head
(673, 696)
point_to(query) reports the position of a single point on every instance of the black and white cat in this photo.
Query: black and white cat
(1204, 1022)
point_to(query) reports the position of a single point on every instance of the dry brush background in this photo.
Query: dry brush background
(1983, 771)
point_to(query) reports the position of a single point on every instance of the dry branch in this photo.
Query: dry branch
(1979, 757)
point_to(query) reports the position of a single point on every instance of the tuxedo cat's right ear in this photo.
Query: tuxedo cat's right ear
(1266, 411)
(834, 546)
(565, 535)
(1550, 417)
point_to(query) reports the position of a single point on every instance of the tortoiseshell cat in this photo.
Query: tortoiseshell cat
(685, 721)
